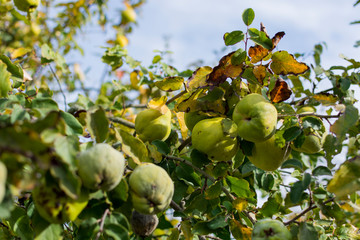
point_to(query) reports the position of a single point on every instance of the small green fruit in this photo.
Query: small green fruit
(255, 117)
(3, 177)
(143, 224)
(314, 138)
(26, 5)
(151, 188)
(101, 167)
(192, 118)
(151, 125)
(269, 229)
(55, 206)
(267, 155)
(216, 137)
(128, 15)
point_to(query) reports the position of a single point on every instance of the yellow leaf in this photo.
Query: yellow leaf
(325, 99)
(134, 79)
(240, 204)
(19, 52)
(159, 104)
(198, 78)
(183, 129)
(257, 53)
(260, 73)
(170, 84)
(284, 63)
(186, 230)
(240, 231)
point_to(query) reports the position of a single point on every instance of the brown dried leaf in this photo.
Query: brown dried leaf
(281, 91)
(325, 98)
(284, 63)
(257, 53)
(260, 73)
(276, 39)
(198, 78)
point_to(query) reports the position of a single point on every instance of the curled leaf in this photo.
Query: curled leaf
(257, 53)
(280, 92)
(198, 78)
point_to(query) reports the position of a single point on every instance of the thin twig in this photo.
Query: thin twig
(311, 207)
(102, 222)
(175, 206)
(175, 97)
(136, 106)
(212, 237)
(184, 144)
(308, 114)
(122, 121)
(60, 88)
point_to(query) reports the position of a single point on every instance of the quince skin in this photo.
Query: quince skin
(3, 176)
(151, 188)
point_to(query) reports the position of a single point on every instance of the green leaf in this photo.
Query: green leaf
(321, 170)
(272, 205)
(201, 228)
(284, 63)
(170, 84)
(43, 105)
(119, 194)
(133, 147)
(239, 186)
(238, 57)
(161, 146)
(218, 222)
(73, 126)
(293, 163)
(45, 230)
(345, 121)
(213, 191)
(198, 78)
(260, 38)
(114, 57)
(19, 114)
(5, 84)
(307, 232)
(187, 174)
(97, 124)
(296, 191)
(116, 231)
(47, 54)
(175, 234)
(87, 229)
(248, 16)
(233, 37)
(69, 182)
(14, 69)
(198, 203)
(291, 133)
(67, 148)
(267, 181)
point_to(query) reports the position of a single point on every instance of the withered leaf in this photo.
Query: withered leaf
(257, 53)
(276, 39)
(284, 63)
(325, 98)
(224, 70)
(198, 78)
(170, 84)
(281, 91)
(260, 73)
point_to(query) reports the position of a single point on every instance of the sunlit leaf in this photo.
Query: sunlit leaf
(224, 70)
(280, 92)
(5, 84)
(240, 231)
(345, 121)
(47, 54)
(170, 84)
(186, 229)
(159, 104)
(181, 121)
(325, 98)
(13, 68)
(239, 186)
(240, 204)
(97, 124)
(233, 37)
(187, 102)
(133, 147)
(346, 179)
(284, 63)
(19, 52)
(257, 53)
(260, 73)
(114, 57)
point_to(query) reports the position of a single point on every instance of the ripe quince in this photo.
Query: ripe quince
(151, 188)
(151, 125)
(255, 117)
(101, 167)
(26, 5)
(216, 137)
(270, 229)
(55, 206)
(267, 155)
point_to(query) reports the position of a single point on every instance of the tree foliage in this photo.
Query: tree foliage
(41, 136)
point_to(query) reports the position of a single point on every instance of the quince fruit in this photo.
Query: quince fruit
(26, 5)
(128, 15)
(101, 167)
(151, 125)
(306, 109)
(55, 206)
(3, 176)
(269, 229)
(216, 137)
(151, 188)
(143, 224)
(314, 138)
(192, 118)
(267, 155)
(255, 117)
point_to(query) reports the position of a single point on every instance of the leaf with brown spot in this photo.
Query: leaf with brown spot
(326, 99)
(187, 102)
(284, 63)
(276, 39)
(260, 73)
(281, 91)
(170, 84)
(198, 78)
(257, 53)
(224, 70)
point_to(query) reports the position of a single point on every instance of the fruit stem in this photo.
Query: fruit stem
(102, 222)
(122, 121)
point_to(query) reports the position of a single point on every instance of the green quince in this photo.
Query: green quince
(101, 167)
(255, 117)
(151, 188)
(26, 5)
(267, 155)
(192, 118)
(216, 137)
(270, 229)
(151, 125)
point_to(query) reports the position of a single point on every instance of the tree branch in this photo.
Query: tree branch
(175, 97)
(311, 207)
(308, 114)
(102, 222)
(60, 88)
(122, 121)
